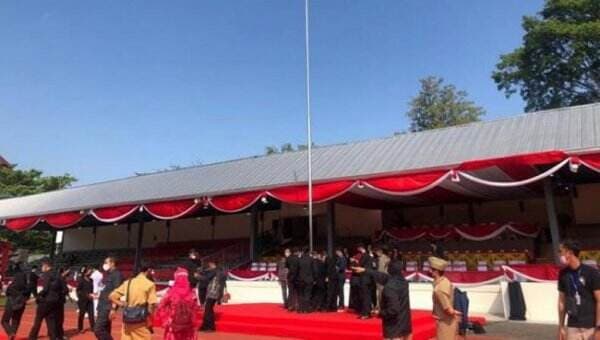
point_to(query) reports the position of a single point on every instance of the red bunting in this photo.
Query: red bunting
(235, 203)
(406, 183)
(320, 192)
(537, 158)
(22, 223)
(64, 220)
(114, 214)
(172, 209)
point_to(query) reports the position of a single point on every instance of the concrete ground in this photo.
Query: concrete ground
(515, 330)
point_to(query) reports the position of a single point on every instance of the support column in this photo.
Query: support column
(552, 219)
(168, 226)
(253, 232)
(53, 245)
(330, 227)
(138, 246)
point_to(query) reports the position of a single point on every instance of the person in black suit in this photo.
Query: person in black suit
(192, 264)
(366, 283)
(204, 279)
(106, 309)
(305, 281)
(17, 294)
(319, 291)
(47, 302)
(395, 301)
(62, 299)
(85, 298)
(291, 263)
(341, 264)
(331, 280)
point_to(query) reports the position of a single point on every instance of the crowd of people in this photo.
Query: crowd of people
(194, 287)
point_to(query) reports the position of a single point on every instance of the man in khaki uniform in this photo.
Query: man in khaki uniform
(443, 299)
(142, 291)
(383, 262)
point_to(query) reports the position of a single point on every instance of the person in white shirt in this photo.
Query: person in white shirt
(97, 286)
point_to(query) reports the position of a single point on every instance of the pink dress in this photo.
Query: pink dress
(180, 293)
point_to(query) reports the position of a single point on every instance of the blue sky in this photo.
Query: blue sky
(104, 89)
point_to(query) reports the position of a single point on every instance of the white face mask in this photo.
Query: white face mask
(563, 259)
(105, 267)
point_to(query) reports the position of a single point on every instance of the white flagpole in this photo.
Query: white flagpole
(308, 129)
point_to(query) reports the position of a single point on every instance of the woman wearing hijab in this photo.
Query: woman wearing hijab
(178, 309)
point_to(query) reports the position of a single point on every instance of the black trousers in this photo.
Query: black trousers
(304, 295)
(293, 301)
(319, 293)
(103, 325)
(60, 320)
(202, 294)
(341, 294)
(331, 296)
(284, 292)
(87, 307)
(366, 300)
(45, 312)
(11, 318)
(208, 322)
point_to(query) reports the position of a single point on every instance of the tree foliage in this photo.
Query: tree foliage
(559, 62)
(15, 182)
(286, 147)
(438, 105)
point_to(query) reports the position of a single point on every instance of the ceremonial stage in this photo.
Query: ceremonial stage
(266, 319)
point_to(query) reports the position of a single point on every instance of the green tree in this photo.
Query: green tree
(15, 182)
(559, 62)
(286, 147)
(438, 105)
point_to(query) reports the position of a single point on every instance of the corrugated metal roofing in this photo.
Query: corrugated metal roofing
(568, 129)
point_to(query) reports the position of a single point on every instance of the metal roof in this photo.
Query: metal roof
(569, 129)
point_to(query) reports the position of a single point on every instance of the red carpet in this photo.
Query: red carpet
(270, 320)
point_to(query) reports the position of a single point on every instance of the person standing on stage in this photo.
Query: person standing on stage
(47, 302)
(106, 308)
(85, 298)
(305, 281)
(579, 296)
(17, 294)
(341, 264)
(192, 265)
(382, 266)
(140, 292)
(282, 275)
(292, 262)
(443, 301)
(395, 301)
(332, 286)
(214, 291)
(319, 291)
(204, 279)
(366, 284)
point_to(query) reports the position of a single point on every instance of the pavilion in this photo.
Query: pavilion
(520, 157)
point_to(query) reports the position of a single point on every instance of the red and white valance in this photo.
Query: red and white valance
(478, 232)
(64, 220)
(114, 214)
(235, 203)
(22, 223)
(171, 210)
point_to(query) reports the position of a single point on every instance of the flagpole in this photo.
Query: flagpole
(308, 128)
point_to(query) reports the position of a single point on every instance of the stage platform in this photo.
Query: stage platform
(268, 320)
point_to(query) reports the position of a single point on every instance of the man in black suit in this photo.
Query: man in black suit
(63, 273)
(17, 294)
(192, 264)
(320, 280)
(366, 283)
(341, 264)
(305, 281)
(47, 302)
(331, 283)
(292, 280)
(106, 309)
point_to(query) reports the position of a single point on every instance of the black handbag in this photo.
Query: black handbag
(134, 314)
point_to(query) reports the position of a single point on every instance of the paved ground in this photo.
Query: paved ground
(515, 330)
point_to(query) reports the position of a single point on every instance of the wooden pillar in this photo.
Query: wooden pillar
(330, 228)
(552, 219)
(138, 246)
(253, 232)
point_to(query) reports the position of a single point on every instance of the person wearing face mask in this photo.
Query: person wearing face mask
(85, 298)
(106, 308)
(579, 296)
(443, 301)
(138, 292)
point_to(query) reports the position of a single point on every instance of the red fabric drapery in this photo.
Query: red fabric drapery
(592, 161)
(533, 272)
(537, 158)
(172, 209)
(22, 223)
(64, 220)
(321, 192)
(113, 214)
(406, 183)
(235, 203)
(477, 232)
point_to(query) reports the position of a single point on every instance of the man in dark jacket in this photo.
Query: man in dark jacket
(17, 294)
(63, 273)
(292, 280)
(204, 279)
(331, 283)
(395, 302)
(85, 300)
(47, 302)
(320, 279)
(112, 280)
(366, 283)
(282, 276)
(305, 281)
(341, 264)
(191, 264)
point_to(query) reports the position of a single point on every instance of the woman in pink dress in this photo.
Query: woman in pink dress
(178, 310)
